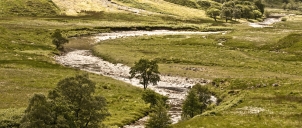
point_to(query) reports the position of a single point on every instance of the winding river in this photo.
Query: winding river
(172, 86)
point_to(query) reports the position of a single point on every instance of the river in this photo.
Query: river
(174, 87)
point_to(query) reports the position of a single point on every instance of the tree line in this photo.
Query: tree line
(235, 9)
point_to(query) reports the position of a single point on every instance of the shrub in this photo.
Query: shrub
(283, 19)
(153, 98)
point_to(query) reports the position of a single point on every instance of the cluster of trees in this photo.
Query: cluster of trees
(70, 105)
(236, 9)
(292, 5)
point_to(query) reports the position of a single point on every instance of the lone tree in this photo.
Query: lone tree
(70, 104)
(196, 102)
(58, 40)
(213, 13)
(146, 71)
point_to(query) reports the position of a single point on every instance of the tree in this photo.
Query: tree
(88, 110)
(159, 118)
(213, 13)
(196, 101)
(191, 105)
(237, 13)
(70, 104)
(260, 5)
(58, 40)
(257, 14)
(146, 71)
(204, 96)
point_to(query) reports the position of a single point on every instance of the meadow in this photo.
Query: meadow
(243, 63)
(27, 65)
(255, 71)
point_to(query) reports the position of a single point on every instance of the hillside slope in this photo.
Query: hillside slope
(164, 7)
(28, 8)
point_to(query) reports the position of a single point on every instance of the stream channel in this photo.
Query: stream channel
(172, 86)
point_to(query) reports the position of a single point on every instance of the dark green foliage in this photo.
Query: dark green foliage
(191, 106)
(260, 5)
(70, 104)
(9, 124)
(213, 13)
(237, 9)
(58, 40)
(196, 102)
(146, 71)
(153, 98)
(159, 118)
(41, 113)
(203, 94)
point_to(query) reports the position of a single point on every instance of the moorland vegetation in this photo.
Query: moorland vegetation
(255, 72)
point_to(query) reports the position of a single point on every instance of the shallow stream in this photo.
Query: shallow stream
(172, 86)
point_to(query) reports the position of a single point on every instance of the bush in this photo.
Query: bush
(159, 118)
(153, 98)
(283, 19)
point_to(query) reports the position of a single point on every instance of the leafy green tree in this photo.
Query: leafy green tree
(88, 110)
(204, 95)
(191, 105)
(196, 101)
(70, 104)
(146, 71)
(58, 40)
(153, 98)
(213, 13)
(237, 13)
(160, 117)
(260, 5)
(257, 14)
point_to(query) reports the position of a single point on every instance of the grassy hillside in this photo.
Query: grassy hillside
(164, 7)
(28, 8)
(27, 67)
(239, 61)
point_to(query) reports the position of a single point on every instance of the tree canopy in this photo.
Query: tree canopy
(70, 104)
(196, 101)
(58, 40)
(146, 71)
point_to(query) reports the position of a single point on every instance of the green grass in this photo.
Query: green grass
(175, 52)
(27, 67)
(246, 59)
(28, 8)
(244, 63)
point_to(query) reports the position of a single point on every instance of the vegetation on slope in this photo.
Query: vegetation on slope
(256, 72)
(28, 8)
(244, 63)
